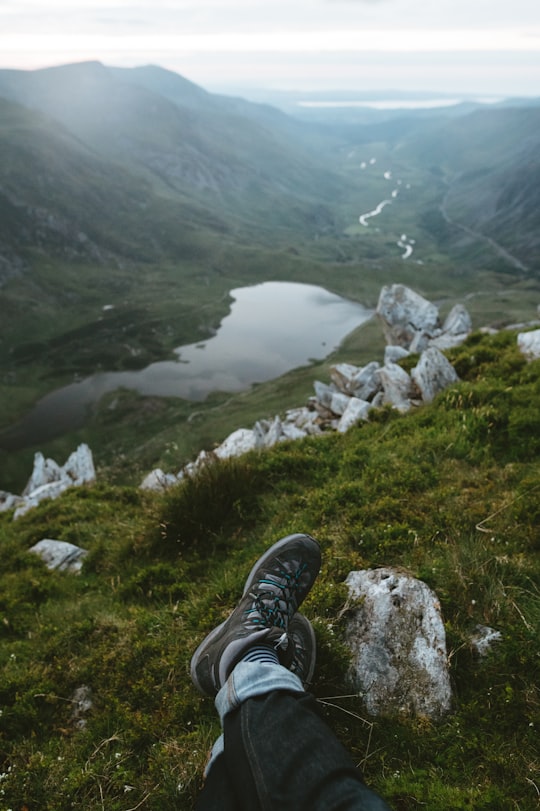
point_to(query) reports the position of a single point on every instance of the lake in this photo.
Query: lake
(271, 328)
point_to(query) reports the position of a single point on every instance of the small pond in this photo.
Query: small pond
(271, 328)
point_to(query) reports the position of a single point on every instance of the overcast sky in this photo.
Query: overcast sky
(484, 47)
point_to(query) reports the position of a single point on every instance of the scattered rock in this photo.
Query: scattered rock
(240, 441)
(408, 319)
(398, 643)
(356, 410)
(82, 704)
(484, 638)
(397, 387)
(433, 373)
(49, 480)
(60, 555)
(529, 344)
(412, 322)
(394, 353)
(158, 480)
(403, 313)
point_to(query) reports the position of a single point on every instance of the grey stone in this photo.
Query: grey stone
(433, 373)
(529, 344)
(240, 441)
(394, 353)
(356, 411)
(484, 638)
(397, 386)
(60, 555)
(366, 383)
(398, 642)
(403, 313)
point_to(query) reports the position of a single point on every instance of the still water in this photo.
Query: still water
(271, 328)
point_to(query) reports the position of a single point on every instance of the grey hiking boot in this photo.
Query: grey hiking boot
(305, 648)
(275, 588)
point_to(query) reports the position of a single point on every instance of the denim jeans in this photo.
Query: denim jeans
(276, 752)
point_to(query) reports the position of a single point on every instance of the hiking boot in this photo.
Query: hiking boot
(305, 648)
(275, 588)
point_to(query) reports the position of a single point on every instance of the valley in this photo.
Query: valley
(132, 203)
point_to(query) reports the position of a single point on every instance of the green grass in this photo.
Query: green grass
(450, 493)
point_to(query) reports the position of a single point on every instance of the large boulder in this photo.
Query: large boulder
(433, 373)
(397, 639)
(456, 328)
(397, 386)
(404, 314)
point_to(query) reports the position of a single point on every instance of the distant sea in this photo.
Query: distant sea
(406, 104)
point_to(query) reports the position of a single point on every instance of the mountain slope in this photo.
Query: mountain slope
(490, 162)
(202, 150)
(449, 494)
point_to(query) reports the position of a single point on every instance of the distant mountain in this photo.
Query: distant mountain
(490, 163)
(211, 151)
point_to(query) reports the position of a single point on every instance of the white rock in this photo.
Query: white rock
(394, 353)
(397, 386)
(356, 410)
(44, 472)
(240, 441)
(60, 555)
(458, 323)
(80, 466)
(433, 373)
(49, 480)
(292, 432)
(158, 481)
(484, 638)
(324, 393)
(274, 433)
(398, 643)
(339, 403)
(342, 374)
(9, 500)
(404, 313)
(366, 383)
(529, 344)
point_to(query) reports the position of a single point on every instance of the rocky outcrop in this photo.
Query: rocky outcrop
(60, 555)
(49, 480)
(397, 639)
(408, 320)
(411, 321)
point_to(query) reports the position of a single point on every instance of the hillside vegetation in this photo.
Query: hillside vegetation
(449, 493)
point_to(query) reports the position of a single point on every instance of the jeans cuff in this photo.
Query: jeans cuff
(251, 679)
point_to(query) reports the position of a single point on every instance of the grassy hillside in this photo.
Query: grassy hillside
(450, 493)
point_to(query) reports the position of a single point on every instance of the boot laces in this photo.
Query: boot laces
(272, 606)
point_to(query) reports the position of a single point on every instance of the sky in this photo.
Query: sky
(475, 47)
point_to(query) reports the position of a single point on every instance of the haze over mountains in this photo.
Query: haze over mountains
(91, 153)
(137, 190)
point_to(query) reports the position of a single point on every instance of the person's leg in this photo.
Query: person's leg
(278, 750)
(276, 747)
(217, 793)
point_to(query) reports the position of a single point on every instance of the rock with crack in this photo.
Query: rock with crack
(397, 639)
(397, 387)
(405, 314)
(60, 555)
(433, 373)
